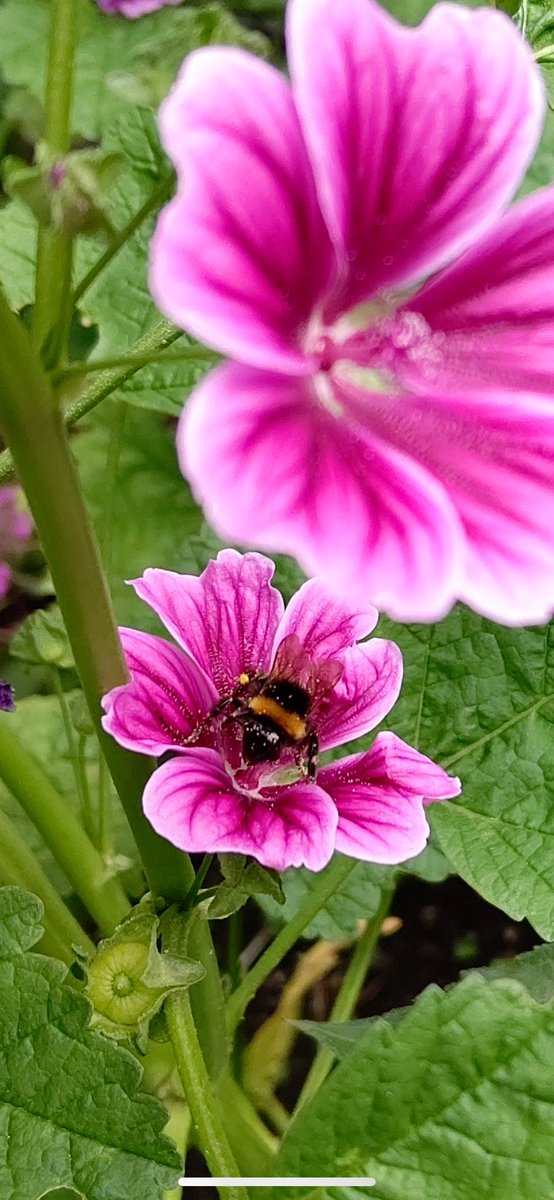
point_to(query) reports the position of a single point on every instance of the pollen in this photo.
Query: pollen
(244, 678)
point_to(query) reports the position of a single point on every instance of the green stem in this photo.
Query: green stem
(190, 898)
(324, 887)
(54, 252)
(79, 775)
(153, 201)
(19, 867)
(545, 52)
(73, 851)
(34, 430)
(347, 997)
(157, 339)
(197, 1087)
(252, 1144)
(121, 362)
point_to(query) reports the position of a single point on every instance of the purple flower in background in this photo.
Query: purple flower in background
(246, 703)
(395, 435)
(133, 8)
(16, 528)
(7, 703)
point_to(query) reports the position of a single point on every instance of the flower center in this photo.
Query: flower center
(377, 347)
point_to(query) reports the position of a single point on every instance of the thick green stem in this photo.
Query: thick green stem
(54, 251)
(325, 886)
(197, 1087)
(19, 867)
(345, 1003)
(252, 1144)
(34, 431)
(74, 852)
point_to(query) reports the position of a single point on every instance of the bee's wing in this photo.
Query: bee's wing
(293, 663)
(325, 675)
(316, 676)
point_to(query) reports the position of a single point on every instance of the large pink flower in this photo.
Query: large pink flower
(133, 8)
(397, 436)
(220, 792)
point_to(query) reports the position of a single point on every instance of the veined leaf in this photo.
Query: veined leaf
(70, 1112)
(454, 1103)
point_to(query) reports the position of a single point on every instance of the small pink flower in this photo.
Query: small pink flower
(235, 782)
(133, 8)
(16, 528)
(396, 436)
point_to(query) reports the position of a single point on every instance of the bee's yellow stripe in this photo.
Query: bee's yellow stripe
(289, 722)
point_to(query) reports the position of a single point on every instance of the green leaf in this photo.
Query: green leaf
(70, 1110)
(20, 922)
(106, 47)
(342, 1036)
(242, 880)
(140, 504)
(535, 970)
(479, 699)
(18, 237)
(454, 1103)
(358, 898)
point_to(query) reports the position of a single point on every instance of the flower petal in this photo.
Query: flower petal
(493, 310)
(191, 802)
(165, 701)
(323, 623)
(273, 465)
(368, 688)
(379, 796)
(230, 251)
(495, 459)
(418, 137)
(225, 618)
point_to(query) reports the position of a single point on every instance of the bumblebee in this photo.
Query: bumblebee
(276, 711)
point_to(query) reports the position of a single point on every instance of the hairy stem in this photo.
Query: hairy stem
(210, 1134)
(324, 887)
(345, 1003)
(137, 360)
(19, 867)
(54, 248)
(153, 201)
(66, 839)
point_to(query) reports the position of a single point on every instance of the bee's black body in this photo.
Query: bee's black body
(274, 710)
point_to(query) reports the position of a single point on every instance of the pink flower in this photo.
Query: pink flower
(133, 8)
(16, 528)
(237, 781)
(396, 436)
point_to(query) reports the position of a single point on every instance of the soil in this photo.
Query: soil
(443, 929)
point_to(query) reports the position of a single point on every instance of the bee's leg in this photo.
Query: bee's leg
(228, 702)
(312, 751)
